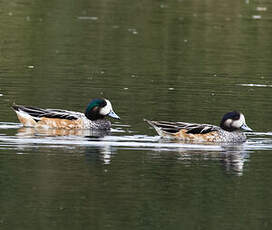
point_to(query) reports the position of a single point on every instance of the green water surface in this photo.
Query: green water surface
(177, 60)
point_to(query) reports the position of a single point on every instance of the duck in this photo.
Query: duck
(230, 130)
(93, 118)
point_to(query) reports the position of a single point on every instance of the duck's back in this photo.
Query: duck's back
(57, 118)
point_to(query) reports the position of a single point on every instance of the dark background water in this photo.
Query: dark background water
(175, 60)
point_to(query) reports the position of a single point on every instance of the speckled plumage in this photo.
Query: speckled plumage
(229, 130)
(64, 119)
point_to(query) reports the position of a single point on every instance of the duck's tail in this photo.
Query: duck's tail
(16, 107)
(23, 116)
(156, 127)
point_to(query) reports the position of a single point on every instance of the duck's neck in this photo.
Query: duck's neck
(94, 116)
(227, 128)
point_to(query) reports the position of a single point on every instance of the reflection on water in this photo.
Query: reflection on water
(102, 154)
(25, 131)
(234, 158)
(104, 144)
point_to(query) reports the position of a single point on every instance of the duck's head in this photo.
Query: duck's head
(99, 108)
(233, 121)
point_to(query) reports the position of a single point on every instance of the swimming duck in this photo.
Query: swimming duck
(230, 129)
(93, 118)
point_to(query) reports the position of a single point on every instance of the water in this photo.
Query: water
(177, 61)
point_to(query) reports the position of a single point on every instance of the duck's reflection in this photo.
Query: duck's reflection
(93, 144)
(25, 131)
(101, 152)
(232, 157)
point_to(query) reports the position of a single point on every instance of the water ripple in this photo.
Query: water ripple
(134, 141)
(232, 156)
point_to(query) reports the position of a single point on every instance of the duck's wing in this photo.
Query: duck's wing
(38, 113)
(174, 127)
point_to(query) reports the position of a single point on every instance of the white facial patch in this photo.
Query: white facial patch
(106, 109)
(228, 122)
(240, 122)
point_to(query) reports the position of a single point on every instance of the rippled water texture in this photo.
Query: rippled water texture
(174, 60)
